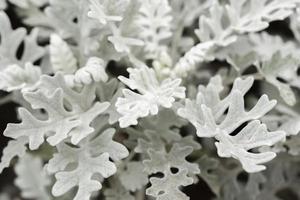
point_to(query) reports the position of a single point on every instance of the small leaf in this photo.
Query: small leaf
(61, 56)
(32, 178)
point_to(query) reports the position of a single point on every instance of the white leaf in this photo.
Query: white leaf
(284, 67)
(93, 71)
(133, 177)
(122, 44)
(60, 123)
(14, 148)
(98, 11)
(164, 161)
(32, 178)
(153, 93)
(243, 16)
(168, 186)
(61, 56)
(154, 23)
(11, 41)
(15, 77)
(92, 157)
(208, 114)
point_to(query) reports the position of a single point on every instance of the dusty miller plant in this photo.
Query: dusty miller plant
(139, 99)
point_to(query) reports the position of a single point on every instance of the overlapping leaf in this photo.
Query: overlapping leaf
(90, 158)
(32, 178)
(11, 41)
(61, 122)
(226, 21)
(153, 94)
(219, 118)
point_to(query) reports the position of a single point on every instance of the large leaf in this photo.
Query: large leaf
(92, 157)
(61, 122)
(219, 118)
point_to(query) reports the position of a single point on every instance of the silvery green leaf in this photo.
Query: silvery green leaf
(60, 14)
(168, 187)
(266, 45)
(71, 99)
(284, 67)
(110, 91)
(294, 23)
(252, 136)
(287, 120)
(249, 190)
(61, 123)
(93, 71)
(166, 122)
(133, 177)
(34, 16)
(98, 10)
(282, 174)
(14, 77)
(81, 176)
(241, 62)
(160, 161)
(61, 56)
(208, 167)
(59, 120)
(198, 53)
(32, 178)
(212, 29)
(105, 144)
(11, 41)
(14, 148)
(156, 12)
(241, 17)
(207, 114)
(163, 161)
(189, 10)
(122, 44)
(91, 157)
(152, 141)
(153, 94)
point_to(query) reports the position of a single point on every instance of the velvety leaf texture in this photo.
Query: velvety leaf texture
(150, 99)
